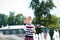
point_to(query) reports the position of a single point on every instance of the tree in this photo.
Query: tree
(42, 9)
(3, 20)
(54, 22)
(58, 24)
(15, 20)
(11, 18)
(51, 32)
(19, 19)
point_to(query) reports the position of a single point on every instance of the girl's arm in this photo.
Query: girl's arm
(33, 30)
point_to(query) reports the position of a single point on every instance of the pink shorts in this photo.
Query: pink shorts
(28, 38)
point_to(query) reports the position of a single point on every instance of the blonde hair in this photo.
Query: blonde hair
(28, 19)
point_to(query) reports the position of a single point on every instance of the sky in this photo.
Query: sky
(22, 6)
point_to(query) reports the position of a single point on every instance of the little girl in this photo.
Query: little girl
(29, 28)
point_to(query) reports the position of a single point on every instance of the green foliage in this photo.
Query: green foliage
(42, 10)
(11, 18)
(50, 23)
(54, 22)
(16, 20)
(51, 32)
(59, 22)
(19, 20)
(3, 20)
(39, 30)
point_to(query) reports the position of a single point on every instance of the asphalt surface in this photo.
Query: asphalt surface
(22, 37)
(12, 37)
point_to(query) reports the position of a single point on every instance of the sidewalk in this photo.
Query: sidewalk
(12, 37)
(22, 37)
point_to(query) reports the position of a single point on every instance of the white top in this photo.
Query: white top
(29, 28)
